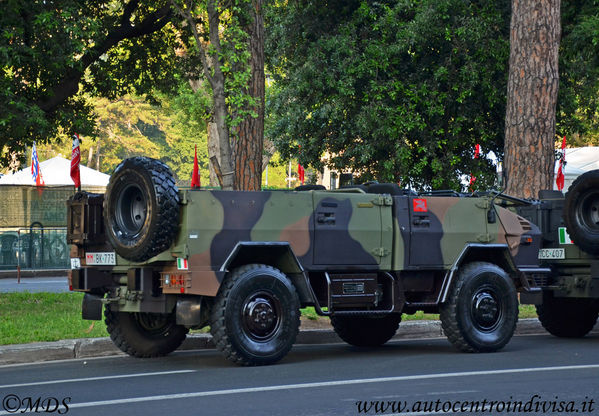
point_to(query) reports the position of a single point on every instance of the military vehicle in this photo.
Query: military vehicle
(568, 303)
(163, 261)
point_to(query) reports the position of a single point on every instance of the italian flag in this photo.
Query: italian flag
(182, 264)
(564, 238)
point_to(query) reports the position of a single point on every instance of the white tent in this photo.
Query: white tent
(57, 171)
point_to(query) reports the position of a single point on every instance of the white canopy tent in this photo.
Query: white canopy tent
(57, 171)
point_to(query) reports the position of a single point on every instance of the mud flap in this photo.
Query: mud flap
(91, 308)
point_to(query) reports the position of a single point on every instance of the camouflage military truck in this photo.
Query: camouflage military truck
(568, 304)
(163, 261)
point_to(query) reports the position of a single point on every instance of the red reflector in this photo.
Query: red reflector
(71, 288)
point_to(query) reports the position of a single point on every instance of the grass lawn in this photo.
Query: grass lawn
(34, 317)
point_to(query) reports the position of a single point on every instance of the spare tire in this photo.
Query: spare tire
(581, 212)
(141, 208)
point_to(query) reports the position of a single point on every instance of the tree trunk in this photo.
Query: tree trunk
(217, 81)
(532, 96)
(213, 151)
(250, 133)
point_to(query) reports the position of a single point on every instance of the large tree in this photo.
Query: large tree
(228, 42)
(52, 51)
(532, 96)
(393, 90)
(57, 51)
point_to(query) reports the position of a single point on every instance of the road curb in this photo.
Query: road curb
(100, 347)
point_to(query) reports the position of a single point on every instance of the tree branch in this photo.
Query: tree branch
(69, 86)
(186, 14)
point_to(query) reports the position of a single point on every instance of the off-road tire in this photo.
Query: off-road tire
(482, 310)
(567, 317)
(144, 335)
(255, 317)
(581, 212)
(141, 208)
(366, 331)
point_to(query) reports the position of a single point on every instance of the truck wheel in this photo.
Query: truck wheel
(255, 317)
(581, 212)
(567, 317)
(366, 331)
(482, 310)
(144, 334)
(141, 208)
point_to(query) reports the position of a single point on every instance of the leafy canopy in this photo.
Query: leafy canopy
(393, 90)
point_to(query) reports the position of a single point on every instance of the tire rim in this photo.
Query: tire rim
(486, 311)
(262, 316)
(588, 211)
(154, 324)
(131, 210)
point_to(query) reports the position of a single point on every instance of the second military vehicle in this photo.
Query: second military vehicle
(568, 303)
(162, 261)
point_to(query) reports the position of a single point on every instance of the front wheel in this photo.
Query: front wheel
(482, 310)
(255, 317)
(144, 334)
(567, 317)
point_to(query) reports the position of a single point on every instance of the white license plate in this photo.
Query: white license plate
(552, 253)
(101, 259)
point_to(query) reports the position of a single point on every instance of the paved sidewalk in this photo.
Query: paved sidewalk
(97, 347)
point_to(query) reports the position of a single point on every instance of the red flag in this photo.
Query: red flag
(476, 155)
(560, 178)
(75, 160)
(300, 173)
(195, 175)
(36, 170)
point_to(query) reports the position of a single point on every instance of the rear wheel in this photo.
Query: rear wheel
(366, 331)
(144, 334)
(482, 310)
(255, 316)
(567, 317)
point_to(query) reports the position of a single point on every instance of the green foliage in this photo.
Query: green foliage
(578, 102)
(51, 52)
(396, 90)
(129, 127)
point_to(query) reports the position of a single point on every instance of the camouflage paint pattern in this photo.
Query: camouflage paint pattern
(328, 231)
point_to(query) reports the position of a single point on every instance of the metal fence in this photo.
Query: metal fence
(33, 248)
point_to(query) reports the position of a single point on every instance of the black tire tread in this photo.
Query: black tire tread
(567, 317)
(217, 317)
(449, 314)
(121, 338)
(362, 331)
(166, 224)
(587, 242)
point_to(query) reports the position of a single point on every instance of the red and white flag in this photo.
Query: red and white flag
(36, 170)
(560, 178)
(476, 156)
(195, 175)
(75, 160)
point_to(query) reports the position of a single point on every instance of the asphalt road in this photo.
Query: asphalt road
(537, 371)
(34, 284)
